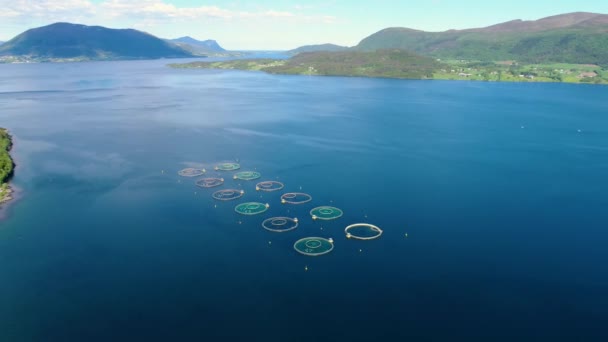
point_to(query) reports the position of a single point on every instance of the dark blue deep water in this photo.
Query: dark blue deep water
(501, 189)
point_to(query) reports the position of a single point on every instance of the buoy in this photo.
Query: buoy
(305, 268)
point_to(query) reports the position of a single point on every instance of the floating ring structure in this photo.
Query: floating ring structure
(191, 172)
(209, 182)
(251, 208)
(269, 186)
(314, 246)
(228, 194)
(295, 198)
(227, 167)
(326, 213)
(362, 231)
(247, 175)
(280, 224)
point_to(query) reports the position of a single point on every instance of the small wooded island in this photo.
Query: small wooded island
(6, 165)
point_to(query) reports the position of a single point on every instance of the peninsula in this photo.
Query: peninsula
(571, 47)
(6, 165)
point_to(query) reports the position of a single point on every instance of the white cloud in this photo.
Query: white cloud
(134, 11)
(278, 14)
(53, 10)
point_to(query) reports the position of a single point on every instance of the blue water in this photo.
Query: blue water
(503, 200)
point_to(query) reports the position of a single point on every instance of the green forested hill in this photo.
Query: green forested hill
(379, 63)
(65, 40)
(318, 47)
(6, 163)
(568, 38)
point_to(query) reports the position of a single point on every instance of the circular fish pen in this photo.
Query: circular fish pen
(227, 167)
(326, 213)
(247, 175)
(269, 186)
(362, 231)
(280, 224)
(228, 194)
(251, 208)
(314, 246)
(295, 198)
(191, 172)
(209, 182)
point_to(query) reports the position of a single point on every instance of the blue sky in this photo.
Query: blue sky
(274, 24)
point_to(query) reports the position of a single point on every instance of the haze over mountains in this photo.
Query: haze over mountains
(573, 38)
(198, 47)
(318, 47)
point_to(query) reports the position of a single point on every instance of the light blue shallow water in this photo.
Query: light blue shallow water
(502, 198)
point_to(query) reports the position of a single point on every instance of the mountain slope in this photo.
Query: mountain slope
(319, 47)
(575, 38)
(380, 63)
(208, 44)
(65, 40)
(192, 45)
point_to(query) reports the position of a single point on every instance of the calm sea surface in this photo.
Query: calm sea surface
(501, 189)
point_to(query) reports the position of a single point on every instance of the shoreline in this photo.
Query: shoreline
(7, 192)
(398, 78)
(527, 73)
(6, 205)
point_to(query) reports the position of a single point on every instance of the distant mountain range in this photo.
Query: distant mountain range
(72, 41)
(574, 38)
(564, 48)
(579, 37)
(319, 47)
(198, 47)
(209, 45)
